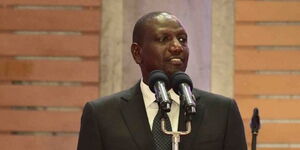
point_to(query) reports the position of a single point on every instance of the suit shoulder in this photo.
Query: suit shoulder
(216, 103)
(212, 97)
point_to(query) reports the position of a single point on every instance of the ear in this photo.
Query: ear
(136, 52)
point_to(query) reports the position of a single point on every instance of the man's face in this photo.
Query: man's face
(164, 46)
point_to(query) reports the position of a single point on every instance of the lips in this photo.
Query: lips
(176, 60)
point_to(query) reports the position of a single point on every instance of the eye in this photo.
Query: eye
(164, 38)
(182, 39)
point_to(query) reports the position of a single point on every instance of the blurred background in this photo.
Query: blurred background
(55, 55)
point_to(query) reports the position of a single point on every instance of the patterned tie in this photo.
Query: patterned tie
(161, 140)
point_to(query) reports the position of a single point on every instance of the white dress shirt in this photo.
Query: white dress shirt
(152, 107)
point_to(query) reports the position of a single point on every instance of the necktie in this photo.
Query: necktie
(162, 141)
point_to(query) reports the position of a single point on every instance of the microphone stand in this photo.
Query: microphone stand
(253, 144)
(176, 134)
(189, 111)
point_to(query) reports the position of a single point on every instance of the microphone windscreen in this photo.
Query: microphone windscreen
(179, 78)
(255, 120)
(155, 76)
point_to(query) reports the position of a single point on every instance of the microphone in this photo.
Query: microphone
(255, 121)
(255, 126)
(157, 84)
(182, 85)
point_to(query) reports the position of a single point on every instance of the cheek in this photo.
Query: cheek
(157, 54)
(186, 53)
(151, 59)
(154, 54)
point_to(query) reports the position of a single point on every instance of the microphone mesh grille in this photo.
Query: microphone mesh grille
(157, 75)
(178, 78)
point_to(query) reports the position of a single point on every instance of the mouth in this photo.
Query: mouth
(176, 60)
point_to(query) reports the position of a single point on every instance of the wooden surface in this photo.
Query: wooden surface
(49, 68)
(267, 67)
(276, 109)
(247, 11)
(33, 142)
(49, 45)
(277, 133)
(271, 84)
(271, 148)
(49, 20)
(52, 2)
(253, 59)
(276, 35)
(54, 96)
(35, 120)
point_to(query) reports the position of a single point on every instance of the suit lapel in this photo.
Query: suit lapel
(186, 141)
(135, 117)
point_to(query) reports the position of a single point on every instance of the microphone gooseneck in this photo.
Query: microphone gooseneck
(183, 85)
(158, 81)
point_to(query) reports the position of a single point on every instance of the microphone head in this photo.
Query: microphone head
(157, 75)
(178, 78)
(255, 121)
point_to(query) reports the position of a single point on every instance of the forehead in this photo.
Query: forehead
(164, 22)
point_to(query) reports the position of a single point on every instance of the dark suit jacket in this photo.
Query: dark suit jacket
(119, 122)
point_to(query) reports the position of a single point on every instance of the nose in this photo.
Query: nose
(175, 47)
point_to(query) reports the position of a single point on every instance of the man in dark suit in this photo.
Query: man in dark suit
(124, 121)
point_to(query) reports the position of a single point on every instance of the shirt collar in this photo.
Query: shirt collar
(149, 97)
